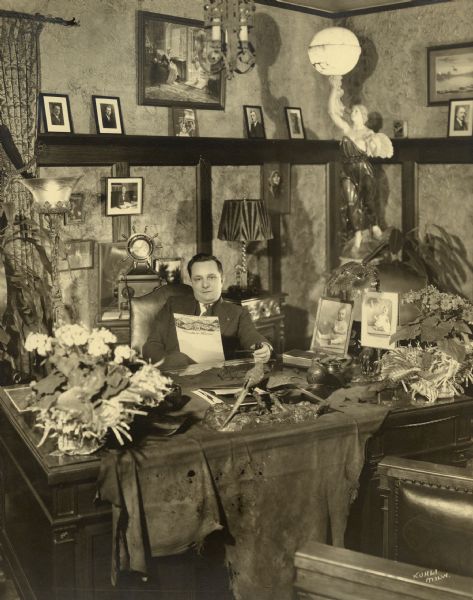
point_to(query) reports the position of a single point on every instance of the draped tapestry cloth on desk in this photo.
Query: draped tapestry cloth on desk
(273, 489)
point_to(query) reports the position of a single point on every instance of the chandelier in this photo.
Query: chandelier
(228, 24)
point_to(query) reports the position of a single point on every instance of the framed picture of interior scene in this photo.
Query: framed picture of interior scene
(449, 73)
(108, 114)
(173, 69)
(114, 263)
(332, 327)
(55, 113)
(254, 121)
(379, 319)
(78, 254)
(124, 196)
(76, 214)
(295, 125)
(184, 122)
(460, 118)
(169, 269)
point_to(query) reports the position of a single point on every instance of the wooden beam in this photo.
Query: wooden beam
(204, 207)
(410, 196)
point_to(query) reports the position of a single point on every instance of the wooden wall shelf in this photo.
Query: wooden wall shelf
(62, 150)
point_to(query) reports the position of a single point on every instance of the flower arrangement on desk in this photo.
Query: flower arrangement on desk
(90, 388)
(438, 361)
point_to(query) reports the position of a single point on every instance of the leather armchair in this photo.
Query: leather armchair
(428, 514)
(144, 310)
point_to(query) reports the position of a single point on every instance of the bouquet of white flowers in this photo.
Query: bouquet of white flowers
(90, 389)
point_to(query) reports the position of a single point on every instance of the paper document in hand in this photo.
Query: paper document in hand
(199, 338)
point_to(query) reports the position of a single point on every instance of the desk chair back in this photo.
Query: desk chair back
(428, 514)
(144, 310)
(327, 573)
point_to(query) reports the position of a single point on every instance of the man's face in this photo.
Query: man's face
(206, 281)
(253, 116)
(108, 110)
(56, 110)
(461, 113)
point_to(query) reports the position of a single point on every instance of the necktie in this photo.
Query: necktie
(207, 310)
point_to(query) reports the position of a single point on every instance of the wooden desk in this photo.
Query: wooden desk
(58, 542)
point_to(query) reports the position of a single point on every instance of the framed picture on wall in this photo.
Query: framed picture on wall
(173, 69)
(108, 114)
(79, 254)
(184, 122)
(276, 183)
(169, 269)
(332, 327)
(55, 113)
(460, 118)
(449, 73)
(295, 125)
(124, 196)
(254, 121)
(76, 214)
(114, 263)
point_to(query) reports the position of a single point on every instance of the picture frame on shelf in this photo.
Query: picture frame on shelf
(295, 124)
(254, 122)
(79, 254)
(332, 329)
(108, 114)
(76, 214)
(399, 129)
(55, 113)
(460, 118)
(184, 122)
(124, 196)
(379, 319)
(449, 73)
(172, 65)
(169, 269)
(114, 262)
(276, 184)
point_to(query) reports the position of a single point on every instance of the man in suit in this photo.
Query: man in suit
(461, 119)
(56, 115)
(108, 117)
(236, 327)
(256, 127)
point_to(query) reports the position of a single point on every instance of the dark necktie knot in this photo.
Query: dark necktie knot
(207, 310)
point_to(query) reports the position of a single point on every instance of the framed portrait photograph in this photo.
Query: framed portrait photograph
(76, 214)
(332, 327)
(108, 114)
(169, 269)
(55, 113)
(79, 254)
(184, 121)
(460, 118)
(254, 122)
(449, 73)
(379, 319)
(173, 69)
(114, 264)
(276, 182)
(295, 125)
(124, 196)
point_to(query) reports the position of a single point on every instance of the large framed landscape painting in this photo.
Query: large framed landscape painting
(172, 69)
(449, 73)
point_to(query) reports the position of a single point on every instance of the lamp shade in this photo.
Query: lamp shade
(334, 51)
(244, 221)
(51, 194)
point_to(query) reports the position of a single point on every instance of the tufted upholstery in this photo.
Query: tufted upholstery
(144, 310)
(429, 517)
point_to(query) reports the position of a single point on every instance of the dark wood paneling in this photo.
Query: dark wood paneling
(121, 225)
(204, 207)
(410, 200)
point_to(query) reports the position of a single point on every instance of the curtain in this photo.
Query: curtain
(19, 87)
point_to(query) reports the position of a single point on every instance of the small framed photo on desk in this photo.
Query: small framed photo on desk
(332, 327)
(379, 318)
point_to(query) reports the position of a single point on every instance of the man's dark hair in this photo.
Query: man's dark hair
(203, 257)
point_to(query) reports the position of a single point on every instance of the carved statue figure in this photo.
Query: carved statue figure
(358, 144)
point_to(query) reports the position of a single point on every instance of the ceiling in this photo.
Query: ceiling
(342, 8)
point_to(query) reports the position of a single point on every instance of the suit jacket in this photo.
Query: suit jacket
(256, 129)
(236, 327)
(460, 125)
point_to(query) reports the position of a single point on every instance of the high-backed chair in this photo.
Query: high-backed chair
(144, 310)
(327, 573)
(428, 514)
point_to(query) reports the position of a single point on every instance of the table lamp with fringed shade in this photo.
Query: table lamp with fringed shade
(244, 221)
(51, 199)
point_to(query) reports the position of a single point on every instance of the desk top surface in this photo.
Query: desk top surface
(355, 406)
